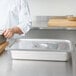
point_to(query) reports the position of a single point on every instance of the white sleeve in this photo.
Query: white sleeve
(25, 21)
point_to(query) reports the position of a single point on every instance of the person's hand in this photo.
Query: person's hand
(8, 33)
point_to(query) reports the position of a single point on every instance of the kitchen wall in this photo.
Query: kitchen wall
(52, 7)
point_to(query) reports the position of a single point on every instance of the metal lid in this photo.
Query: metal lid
(2, 39)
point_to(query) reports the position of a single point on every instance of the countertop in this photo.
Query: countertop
(63, 34)
(42, 68)
(9, 67)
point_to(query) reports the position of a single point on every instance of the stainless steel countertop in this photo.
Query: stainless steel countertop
(9, 67)
(74, 60)
(52, 34)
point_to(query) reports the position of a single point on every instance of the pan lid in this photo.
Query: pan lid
(2, 39)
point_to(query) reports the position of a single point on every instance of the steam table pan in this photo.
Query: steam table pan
(41, 49)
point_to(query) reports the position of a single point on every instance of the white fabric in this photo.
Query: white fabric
(15, 13)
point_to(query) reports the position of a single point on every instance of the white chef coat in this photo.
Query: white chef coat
(15, 13)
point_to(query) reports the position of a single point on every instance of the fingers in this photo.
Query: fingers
(8, 33)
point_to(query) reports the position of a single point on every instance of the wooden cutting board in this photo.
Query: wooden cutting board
(3, 46)
(61, 23)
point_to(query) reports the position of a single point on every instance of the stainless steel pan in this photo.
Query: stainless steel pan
(2, 39)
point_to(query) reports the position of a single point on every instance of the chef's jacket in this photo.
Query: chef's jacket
(15, 13)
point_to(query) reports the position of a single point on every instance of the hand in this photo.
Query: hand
(8, 33)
